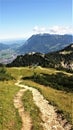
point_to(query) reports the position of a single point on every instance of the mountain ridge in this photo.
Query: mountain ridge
(3, 46)
(45, 43)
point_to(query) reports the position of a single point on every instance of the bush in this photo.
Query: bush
(4, 75)
(58, 81)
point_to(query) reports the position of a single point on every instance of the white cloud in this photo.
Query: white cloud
(61, 30)
(37, 29)
(54, 30)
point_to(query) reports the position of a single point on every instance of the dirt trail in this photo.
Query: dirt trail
(25, 117)
(49, 116)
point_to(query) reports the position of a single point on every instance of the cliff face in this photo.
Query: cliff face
(67, 66)
(68, 53)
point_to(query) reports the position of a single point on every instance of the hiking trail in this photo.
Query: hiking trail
(49, 116)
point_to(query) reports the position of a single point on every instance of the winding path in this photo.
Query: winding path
(49, 116)
(25, 117)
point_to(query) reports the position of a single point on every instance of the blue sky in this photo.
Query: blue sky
(22, 18)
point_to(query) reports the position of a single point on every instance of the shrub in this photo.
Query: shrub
(4, 75)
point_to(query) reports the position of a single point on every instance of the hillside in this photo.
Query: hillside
(45, 43)
(3, 46)
(22, 97)
(60, 59)
(29, 59)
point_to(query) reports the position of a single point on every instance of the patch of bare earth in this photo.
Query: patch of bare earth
(50, 120)
(25, 117)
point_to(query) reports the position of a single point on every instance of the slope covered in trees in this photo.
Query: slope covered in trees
(60, 59)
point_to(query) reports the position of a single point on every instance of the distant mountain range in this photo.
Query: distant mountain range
(42, 43)
(3, 46)
(12, 46)
(39, 44)
(45, 43)
(62, 59)
(8, 50)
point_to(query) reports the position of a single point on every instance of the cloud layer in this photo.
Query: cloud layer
(53, 30)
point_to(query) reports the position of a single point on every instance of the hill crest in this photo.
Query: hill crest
(54, 59)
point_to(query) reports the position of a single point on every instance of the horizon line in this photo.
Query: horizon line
(20, 38)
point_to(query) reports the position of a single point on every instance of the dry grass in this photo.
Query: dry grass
(9, 118)
(63, 100)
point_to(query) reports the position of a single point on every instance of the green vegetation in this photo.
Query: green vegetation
(9, 118)
(63, 100)
(4, 75)
(33, 110)
(54, 60)
(59, 81)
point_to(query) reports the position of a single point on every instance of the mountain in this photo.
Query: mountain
(45, 43)
(62, 59)
(3, 46)
(8, 46)
(11, 44)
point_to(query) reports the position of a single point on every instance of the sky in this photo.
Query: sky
(23, 18)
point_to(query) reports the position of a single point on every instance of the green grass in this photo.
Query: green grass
(62, 99)
(33, 110)
(9, 118)
(20, 71)
(26, 71)
(4, 75)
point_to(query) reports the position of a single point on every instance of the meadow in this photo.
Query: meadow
(63, 100)
(10, 120)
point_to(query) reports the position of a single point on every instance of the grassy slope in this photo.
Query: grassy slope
(9, 118)
(63, 100)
